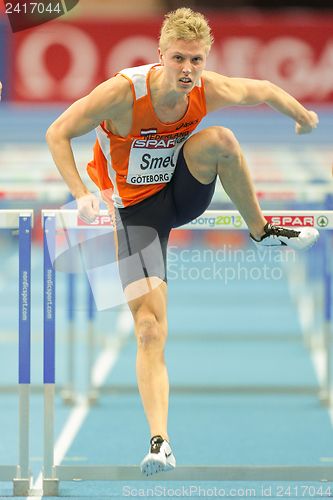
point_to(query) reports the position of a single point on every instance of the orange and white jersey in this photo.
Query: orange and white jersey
(139, 165)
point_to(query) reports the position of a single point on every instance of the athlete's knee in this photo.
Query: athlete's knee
(224, 143)
(150, 332)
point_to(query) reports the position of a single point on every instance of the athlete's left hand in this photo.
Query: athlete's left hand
(308, 124)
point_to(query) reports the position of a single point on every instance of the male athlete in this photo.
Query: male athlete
(163, 175)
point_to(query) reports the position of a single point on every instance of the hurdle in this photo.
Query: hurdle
(22, 220)
(53, 473)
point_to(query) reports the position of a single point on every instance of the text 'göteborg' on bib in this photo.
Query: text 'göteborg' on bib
(153, 157)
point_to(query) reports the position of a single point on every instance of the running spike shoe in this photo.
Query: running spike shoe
(159, 457)
(299, 239)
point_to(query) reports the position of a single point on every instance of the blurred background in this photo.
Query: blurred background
(45, 68)
(288, 42)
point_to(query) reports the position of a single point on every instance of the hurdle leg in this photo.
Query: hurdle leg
(68, 393)
(22, 483)
(91, 345)
(50, 483)
(326, 390)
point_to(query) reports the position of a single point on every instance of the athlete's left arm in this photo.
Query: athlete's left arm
(222, 91)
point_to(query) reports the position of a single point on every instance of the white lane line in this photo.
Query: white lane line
(108, 357)
(317, 353)
(101, 369)
(318, 360)
(306, 313)
(106, 361)
(67, 436)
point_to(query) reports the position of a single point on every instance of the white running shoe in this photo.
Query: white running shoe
(301, 239)
(159, 457)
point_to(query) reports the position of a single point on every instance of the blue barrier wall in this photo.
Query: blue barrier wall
(5, 43)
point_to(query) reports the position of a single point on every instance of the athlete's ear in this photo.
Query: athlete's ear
(160, 56)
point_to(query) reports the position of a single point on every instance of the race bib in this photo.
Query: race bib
(153, 160)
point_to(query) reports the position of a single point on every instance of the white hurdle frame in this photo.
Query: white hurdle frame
(53, 474)
(21, 220)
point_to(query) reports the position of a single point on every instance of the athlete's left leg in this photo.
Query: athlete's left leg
(216, 151)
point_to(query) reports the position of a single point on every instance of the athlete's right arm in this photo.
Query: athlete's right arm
(107, 101)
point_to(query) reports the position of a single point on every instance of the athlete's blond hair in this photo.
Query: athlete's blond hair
(185, 24)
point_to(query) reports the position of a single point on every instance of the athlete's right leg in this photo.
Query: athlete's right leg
(149, 312)
(150, 319)
(142, 236)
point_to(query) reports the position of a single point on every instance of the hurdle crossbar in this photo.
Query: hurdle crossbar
(22, 220)
(198, 473)
(10, 219)
(210, 220)
(201, 389)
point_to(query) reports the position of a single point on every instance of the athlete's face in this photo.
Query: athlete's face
(183, 63)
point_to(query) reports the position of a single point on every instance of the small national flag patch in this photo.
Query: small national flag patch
(148, 131)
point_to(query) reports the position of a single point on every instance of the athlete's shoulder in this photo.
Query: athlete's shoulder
(137, 76)
(214, 80)
(114, 96)
(137, 71)
(116, 88)
(218, 89)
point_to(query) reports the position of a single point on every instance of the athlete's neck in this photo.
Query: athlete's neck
(162, 93)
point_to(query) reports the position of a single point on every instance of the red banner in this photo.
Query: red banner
(62, 61)
(291, 220)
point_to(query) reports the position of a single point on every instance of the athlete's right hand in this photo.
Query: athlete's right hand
(88, 207)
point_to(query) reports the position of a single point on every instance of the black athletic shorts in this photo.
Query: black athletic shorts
(143, 229)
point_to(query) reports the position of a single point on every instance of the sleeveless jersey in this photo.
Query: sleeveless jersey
(135, 167)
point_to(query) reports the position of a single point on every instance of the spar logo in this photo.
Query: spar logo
(151, 162)
(154, 143)
(291, 220)
(322, 221)
(101, 220)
